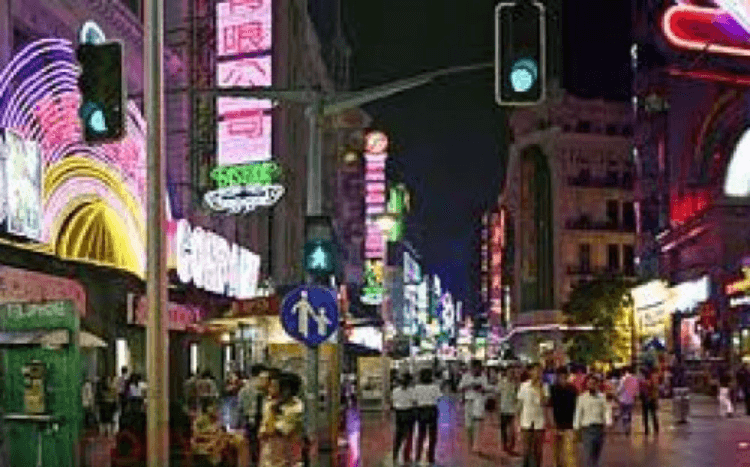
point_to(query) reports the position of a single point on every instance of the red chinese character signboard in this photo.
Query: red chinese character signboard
(244, 38)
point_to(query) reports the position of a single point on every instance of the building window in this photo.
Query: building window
(611, 130)
(134, 6)
(583, 126)
(627, 179)
(628, 216)
(612, 178)
(628, 260)
(612, 213)
(584, 175)
(584, 257)
(613, 257)
(627, 130)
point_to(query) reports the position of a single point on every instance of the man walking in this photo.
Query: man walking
(626, 394)
(743, 381)
(250, 399)
(532, 398)
(508, 388)
(563, 395)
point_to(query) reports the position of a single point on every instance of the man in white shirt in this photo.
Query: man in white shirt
(426, 395)
(532, 398)
(592, 415)
(473, 386)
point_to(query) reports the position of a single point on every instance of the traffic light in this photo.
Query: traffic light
(102, 108)
(519, 53)
(319, 258)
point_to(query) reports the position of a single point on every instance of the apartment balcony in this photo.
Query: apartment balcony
(593, 271)
(624, 183)
(585, 223)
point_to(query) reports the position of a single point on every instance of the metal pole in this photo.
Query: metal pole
(314, 207)
(157, 356)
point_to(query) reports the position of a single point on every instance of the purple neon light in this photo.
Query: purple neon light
(28, 55)
(47, 76)
(21, 115)
(19, 111)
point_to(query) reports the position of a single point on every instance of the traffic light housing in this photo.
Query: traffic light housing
(102, 108)
(520, 65)
(320, 259)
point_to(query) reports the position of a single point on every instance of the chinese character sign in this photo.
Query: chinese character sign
(376, 147)
(244, 40)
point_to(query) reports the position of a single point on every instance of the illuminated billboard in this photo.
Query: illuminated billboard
(23, 186)
(412, 271)
(244, 41)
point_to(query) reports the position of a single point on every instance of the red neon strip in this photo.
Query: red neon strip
(716, 76)
(694, 28)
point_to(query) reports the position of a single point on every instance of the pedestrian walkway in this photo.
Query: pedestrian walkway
(705, 441)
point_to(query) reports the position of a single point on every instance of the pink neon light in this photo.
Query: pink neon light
(180, 316)
(57, 74)
(53, 122)
(21, 103)
(696, 28)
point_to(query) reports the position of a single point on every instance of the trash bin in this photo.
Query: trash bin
(681, 401)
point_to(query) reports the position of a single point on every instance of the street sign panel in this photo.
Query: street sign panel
(310, 314)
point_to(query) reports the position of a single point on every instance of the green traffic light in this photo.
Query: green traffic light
(319, 259)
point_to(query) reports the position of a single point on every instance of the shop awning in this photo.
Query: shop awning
(35, 337)
(53, 338)
(88, 340)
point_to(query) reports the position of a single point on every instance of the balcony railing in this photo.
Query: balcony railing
(625, 183)
(585, 223)
(583, 270)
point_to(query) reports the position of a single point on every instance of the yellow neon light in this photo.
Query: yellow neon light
(77, 166)
(94, 232)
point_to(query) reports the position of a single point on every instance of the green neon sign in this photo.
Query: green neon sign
(261, 173)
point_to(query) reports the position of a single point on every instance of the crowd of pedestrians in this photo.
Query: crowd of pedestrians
(512, 411)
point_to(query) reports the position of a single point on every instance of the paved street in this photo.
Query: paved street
(706, 441)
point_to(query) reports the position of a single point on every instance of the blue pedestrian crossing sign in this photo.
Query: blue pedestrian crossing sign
(310, 315)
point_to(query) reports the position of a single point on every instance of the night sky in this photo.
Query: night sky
(448, 138)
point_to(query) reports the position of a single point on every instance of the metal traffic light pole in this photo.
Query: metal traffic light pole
(157, 339)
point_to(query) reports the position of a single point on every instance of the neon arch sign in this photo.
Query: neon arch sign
(39, 99)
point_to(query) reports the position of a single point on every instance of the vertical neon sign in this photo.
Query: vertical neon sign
(244, 46)
(376, 147)
(497, 243)
(375, 157)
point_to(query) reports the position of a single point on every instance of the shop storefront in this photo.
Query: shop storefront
(737, 292)
(72, 221)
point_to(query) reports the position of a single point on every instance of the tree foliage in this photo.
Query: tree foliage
(604, 303)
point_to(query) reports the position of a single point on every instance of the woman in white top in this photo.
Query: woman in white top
(404, 406)
(473, 386)
(591, 416)
(426, 393)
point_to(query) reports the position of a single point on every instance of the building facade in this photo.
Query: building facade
(87, 239)
(569, 200)
(690, 148)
